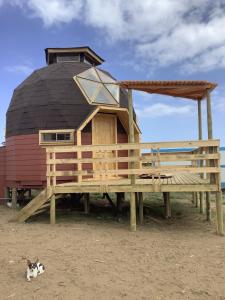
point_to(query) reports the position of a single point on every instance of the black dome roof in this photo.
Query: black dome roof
(50, 99)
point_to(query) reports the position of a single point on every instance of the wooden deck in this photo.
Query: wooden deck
(147, 168)
(174, 183)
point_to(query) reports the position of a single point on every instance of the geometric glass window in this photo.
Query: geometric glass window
(98, 87)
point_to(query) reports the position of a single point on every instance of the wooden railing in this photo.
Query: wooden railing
(107, 162)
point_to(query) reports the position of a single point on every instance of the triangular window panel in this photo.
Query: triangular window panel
(105, 78)
(103, 96)
(114, 90)
(89, 74)
(98, 87)
(89, 87)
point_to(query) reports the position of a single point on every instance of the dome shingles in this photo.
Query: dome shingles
(49, 99)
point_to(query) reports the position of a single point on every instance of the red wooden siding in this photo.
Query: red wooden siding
(25, 159)
(2, 171)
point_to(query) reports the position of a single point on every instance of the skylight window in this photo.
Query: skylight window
(98, 87)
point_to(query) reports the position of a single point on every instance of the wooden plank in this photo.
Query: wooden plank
(53, 170)
(208, 207)
(52, 210)
(167, 204)
(135, 146)
(199, 120)
(209, 115)
(132, 212)
(152, 171)
(182, 157)
(141, 209)
(86, 203)
(34, 205)
(136, 188)
(88, 119)
(131, 133)
(48, 156)
(219, 213)
(79, 156)
(14, 197)
(95, 159)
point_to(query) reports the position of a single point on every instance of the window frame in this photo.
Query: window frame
(57, 142)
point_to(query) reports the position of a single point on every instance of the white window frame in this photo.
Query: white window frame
(56, 131)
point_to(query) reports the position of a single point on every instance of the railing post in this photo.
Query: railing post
(79, 156)
(54, 169)
(201, 196)
(48, 156)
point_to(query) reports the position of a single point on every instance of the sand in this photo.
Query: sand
(98, 258)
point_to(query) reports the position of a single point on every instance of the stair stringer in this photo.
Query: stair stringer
(34, 205)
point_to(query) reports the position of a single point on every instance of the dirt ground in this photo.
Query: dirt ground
(97, 257)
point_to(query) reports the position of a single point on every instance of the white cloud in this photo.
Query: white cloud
(163, 32)
(23, 69)
(161, 109)
(207, 61)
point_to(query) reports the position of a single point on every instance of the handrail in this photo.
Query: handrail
(111, 161)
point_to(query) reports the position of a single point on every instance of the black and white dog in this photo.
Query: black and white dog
(34, 269)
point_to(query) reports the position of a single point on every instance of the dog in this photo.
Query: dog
(34, 269)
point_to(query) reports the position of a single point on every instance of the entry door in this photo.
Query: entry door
(104, 129)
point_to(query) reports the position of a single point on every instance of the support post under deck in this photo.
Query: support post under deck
(52, 210)
(219, 213)
(86, 203)
(167, 204)
(141, 208)
(14, 197)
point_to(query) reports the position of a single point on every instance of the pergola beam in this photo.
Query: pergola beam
(200, 138)
(132, 140)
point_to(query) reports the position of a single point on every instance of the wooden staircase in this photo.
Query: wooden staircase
(36, 206)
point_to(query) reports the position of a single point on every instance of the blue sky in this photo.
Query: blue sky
(150, 40)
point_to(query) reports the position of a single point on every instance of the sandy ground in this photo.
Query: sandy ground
(97, 257)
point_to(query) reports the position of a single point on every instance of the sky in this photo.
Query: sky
(140, 40)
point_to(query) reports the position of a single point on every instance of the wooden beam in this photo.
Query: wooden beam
(209, 116)
(86, 203)
(135, 146)
(219, 213)
(167, 203)
(52, 210)
(201, 201)
(147, 188)
(143, 159)
(14, 197)
(199, 120)
(79, 155)
(132, 212)
(141, 209)
(208, 207)
(133, 222)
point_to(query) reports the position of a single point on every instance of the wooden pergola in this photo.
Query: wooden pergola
(190, 89)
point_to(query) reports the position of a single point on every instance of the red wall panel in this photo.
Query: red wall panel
(2, 171)
(25, 160)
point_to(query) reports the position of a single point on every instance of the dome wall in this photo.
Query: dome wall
(48, 99)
